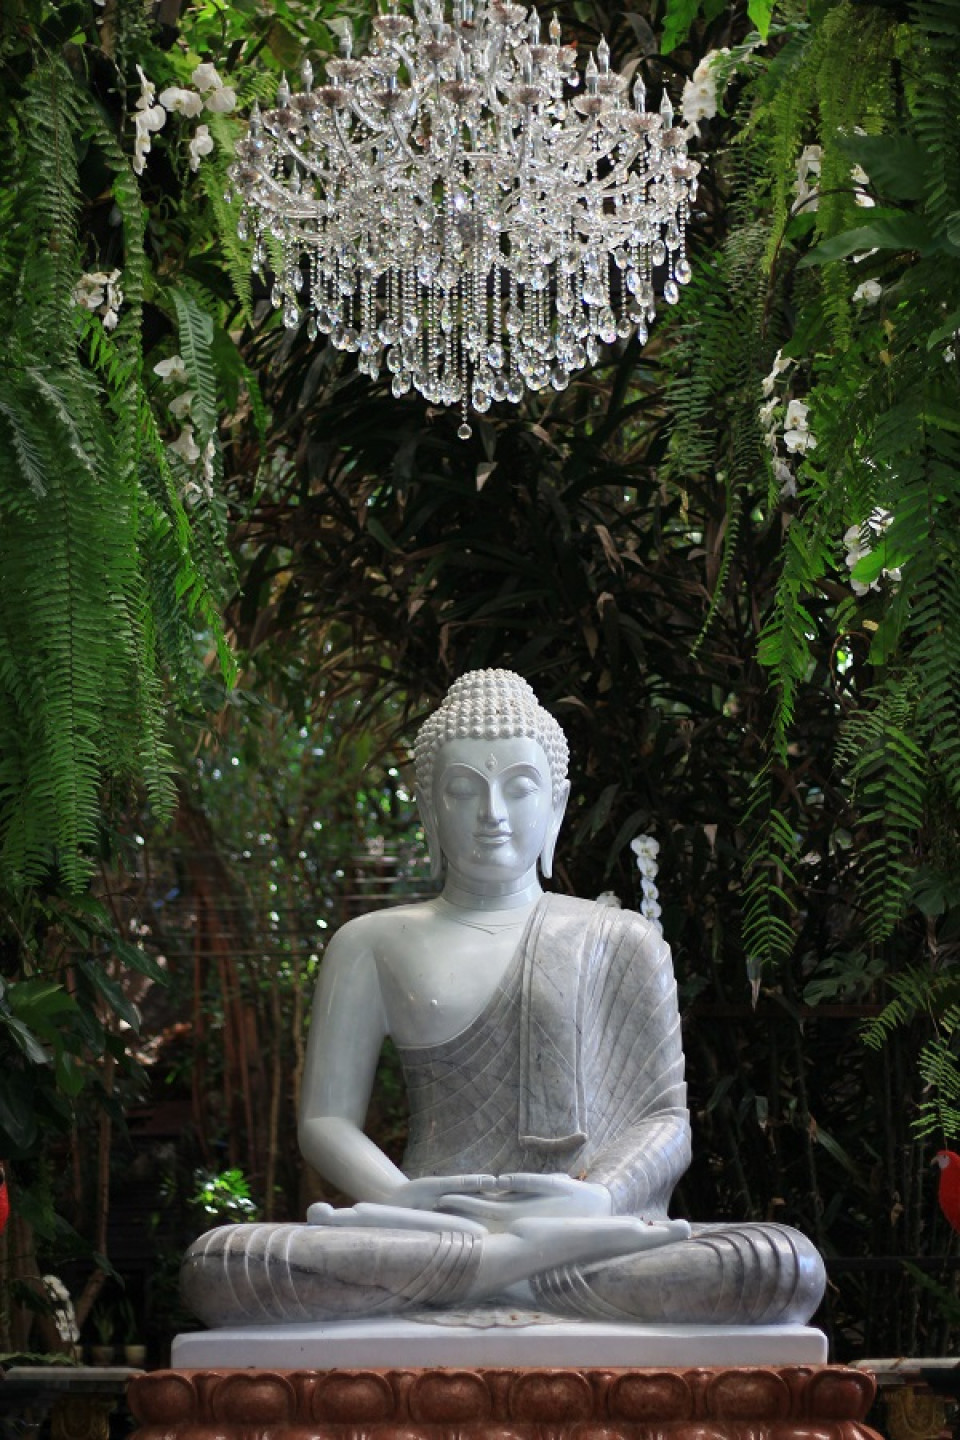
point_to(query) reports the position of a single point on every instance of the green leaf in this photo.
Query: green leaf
(70, 1075)
(140, 960)
(111, 992)
(17, 1113)
(38, 999)
(196, 346)
(761, 12)
(680, 15)
(24, 1037)
(890, 230)
(897, 164)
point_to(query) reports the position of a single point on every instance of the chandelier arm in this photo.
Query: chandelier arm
(284, 206)
(413, 155)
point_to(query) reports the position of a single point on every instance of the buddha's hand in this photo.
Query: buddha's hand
(430, 1192)
(522, 1196)
(370, 1215)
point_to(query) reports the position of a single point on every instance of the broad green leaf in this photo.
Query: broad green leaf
(39, 999)
(680, 15)
(70, 1075)
(896, 164)
(140, 960)
(25, 1039)
(761, 12)
(111, 992)
(17, 1112)
(888, 230)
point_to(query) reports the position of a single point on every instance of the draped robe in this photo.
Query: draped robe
(575, 1064)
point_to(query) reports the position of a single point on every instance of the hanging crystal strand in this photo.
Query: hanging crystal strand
(313, 296)
(408, 324)
(434, 344)
(350, 336)
(624, 323)
(514, 322)
(681, 268)
(547, 343)
(464, 432)
(336, 315)
(496, 356)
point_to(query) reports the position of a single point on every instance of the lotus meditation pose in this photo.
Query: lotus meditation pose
(540, 1043)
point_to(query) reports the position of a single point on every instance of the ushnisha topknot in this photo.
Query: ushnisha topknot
(489, 705)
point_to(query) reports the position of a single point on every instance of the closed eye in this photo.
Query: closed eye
(520, 786)
(460, 789)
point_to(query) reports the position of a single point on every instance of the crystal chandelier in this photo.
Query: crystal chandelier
(455, 204)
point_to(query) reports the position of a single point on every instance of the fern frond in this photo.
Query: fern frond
(196, 341)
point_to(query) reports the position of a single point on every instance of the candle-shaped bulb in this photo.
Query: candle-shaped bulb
(306, 75)
(533, 28)
(255, 119)
(639, 94)
(666, 110)
(592, 75)
(603, 55)
(555, 29)
(283, 92)
(346, 40)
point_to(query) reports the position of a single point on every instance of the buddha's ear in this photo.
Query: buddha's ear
(429, 822)
(550, 839)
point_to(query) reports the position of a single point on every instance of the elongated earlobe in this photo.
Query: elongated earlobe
(429, 823)
(550, 839)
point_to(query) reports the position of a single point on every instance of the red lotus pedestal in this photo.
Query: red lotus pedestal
(791, 1402)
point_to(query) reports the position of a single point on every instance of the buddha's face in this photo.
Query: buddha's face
(493, 808)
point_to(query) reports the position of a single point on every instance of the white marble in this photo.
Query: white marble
(390, 1344)
(540, 1042)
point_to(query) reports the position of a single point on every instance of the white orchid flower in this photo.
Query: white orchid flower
(785, 478)
(180, 405)
(200, 145)
(870, 291)
(222, 101)
(172, 370)
(181, 102)
(796, 416)
(147, 91)
(205, 78)
(90, 290)
(185, 446)
(798, 442)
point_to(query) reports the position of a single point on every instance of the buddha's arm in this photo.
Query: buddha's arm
(346, 1032)
(643, 1163)
(642, 1145)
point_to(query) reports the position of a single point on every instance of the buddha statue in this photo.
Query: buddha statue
(540, 1043)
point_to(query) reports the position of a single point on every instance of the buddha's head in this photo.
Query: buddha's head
(492, 784)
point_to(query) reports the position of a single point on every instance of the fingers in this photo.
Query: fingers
(323, 1214)
(320, 1213)
(552, 1184)
(453, 1184)
(469, 1205)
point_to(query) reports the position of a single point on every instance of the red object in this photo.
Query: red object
(4, 1202)
(949, 1192)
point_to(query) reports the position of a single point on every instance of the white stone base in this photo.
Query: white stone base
(483, 1339)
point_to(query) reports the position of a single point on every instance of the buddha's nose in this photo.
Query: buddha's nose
(493, 812)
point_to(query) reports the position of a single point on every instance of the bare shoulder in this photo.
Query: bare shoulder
(379, 929)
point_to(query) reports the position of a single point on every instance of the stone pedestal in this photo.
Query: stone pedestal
(792, 1402)
(494, 1337)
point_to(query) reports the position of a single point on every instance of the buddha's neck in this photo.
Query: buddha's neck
(460, 895)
